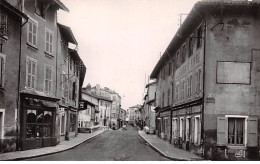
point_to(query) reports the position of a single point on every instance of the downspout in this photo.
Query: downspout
(57, 58)
(204, 79)
(18, 89)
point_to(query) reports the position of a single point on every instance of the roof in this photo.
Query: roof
(67, 33)
(89, 102)
(97, 97)
(147, 85)
(11, 8)
(189, 22)
(137, 106)
(61, 5)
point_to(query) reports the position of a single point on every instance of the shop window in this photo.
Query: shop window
(39, 124)
(63, 122)
(31, 73)
(2, 70)
(2, 115)
(181, 127)
(188, 123)
(72, 127)
(197, 129)
(174, 127)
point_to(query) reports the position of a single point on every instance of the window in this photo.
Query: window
(174, 127)
(188, 127)
(199, 37)
(72, 126)
(182, 88)
(70, 89)
(191, 44)
(189, 87)
(48, 80)
(197, 130)
(170, 68)
(183, 53)
(2, 117)
(177, 55)
(236, 131)
(31, 73)
(40, 7)
(2, 70)
(65, 87)
(3, 25)
(39, 123)
(182, 129)
(177, 92)
(71, 61)
(168, 100)
(163, 100)
(62, 123)
(32, 32)
(198, 81)
(48, 41)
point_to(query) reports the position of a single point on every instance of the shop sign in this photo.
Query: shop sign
(81, 105)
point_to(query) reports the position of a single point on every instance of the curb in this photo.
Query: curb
(58, 151)
(163, 154)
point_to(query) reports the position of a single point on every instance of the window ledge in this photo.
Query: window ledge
(236, 147)
(32, 46)
(48, 55)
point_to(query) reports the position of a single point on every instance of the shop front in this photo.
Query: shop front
(38, 117)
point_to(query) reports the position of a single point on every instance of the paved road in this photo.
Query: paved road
(112, 145)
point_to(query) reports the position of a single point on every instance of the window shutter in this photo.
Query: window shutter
(252, 132)
(178, 127)
(192, 129)
(221, 131)
(199, 132)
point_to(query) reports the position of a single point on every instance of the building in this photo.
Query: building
(89, 110)
(149, 105)
(12, 21)
(207, 92)
(44, 93)
(134, 114)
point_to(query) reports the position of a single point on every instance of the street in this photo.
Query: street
(112, 145)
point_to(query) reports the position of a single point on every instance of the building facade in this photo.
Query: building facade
(37, 117)
(207, 94)
(12, 21)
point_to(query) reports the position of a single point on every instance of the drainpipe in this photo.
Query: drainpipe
(18, 89)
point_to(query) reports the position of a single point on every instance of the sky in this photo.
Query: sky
(120, 41)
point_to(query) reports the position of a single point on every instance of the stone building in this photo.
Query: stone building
(36, 121)
(207, 93)
(12, 21)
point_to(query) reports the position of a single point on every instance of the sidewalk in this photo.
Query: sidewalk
(65, 145)
(167, 149)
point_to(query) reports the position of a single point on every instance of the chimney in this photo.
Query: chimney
(88, 88)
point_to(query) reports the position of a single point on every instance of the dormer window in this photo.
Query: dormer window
(40, 7)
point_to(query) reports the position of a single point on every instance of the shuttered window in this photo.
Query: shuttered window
(48, 80)
(48, 41)
(31, 73)
(237, 131)
(197, 130)
(32, 33)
